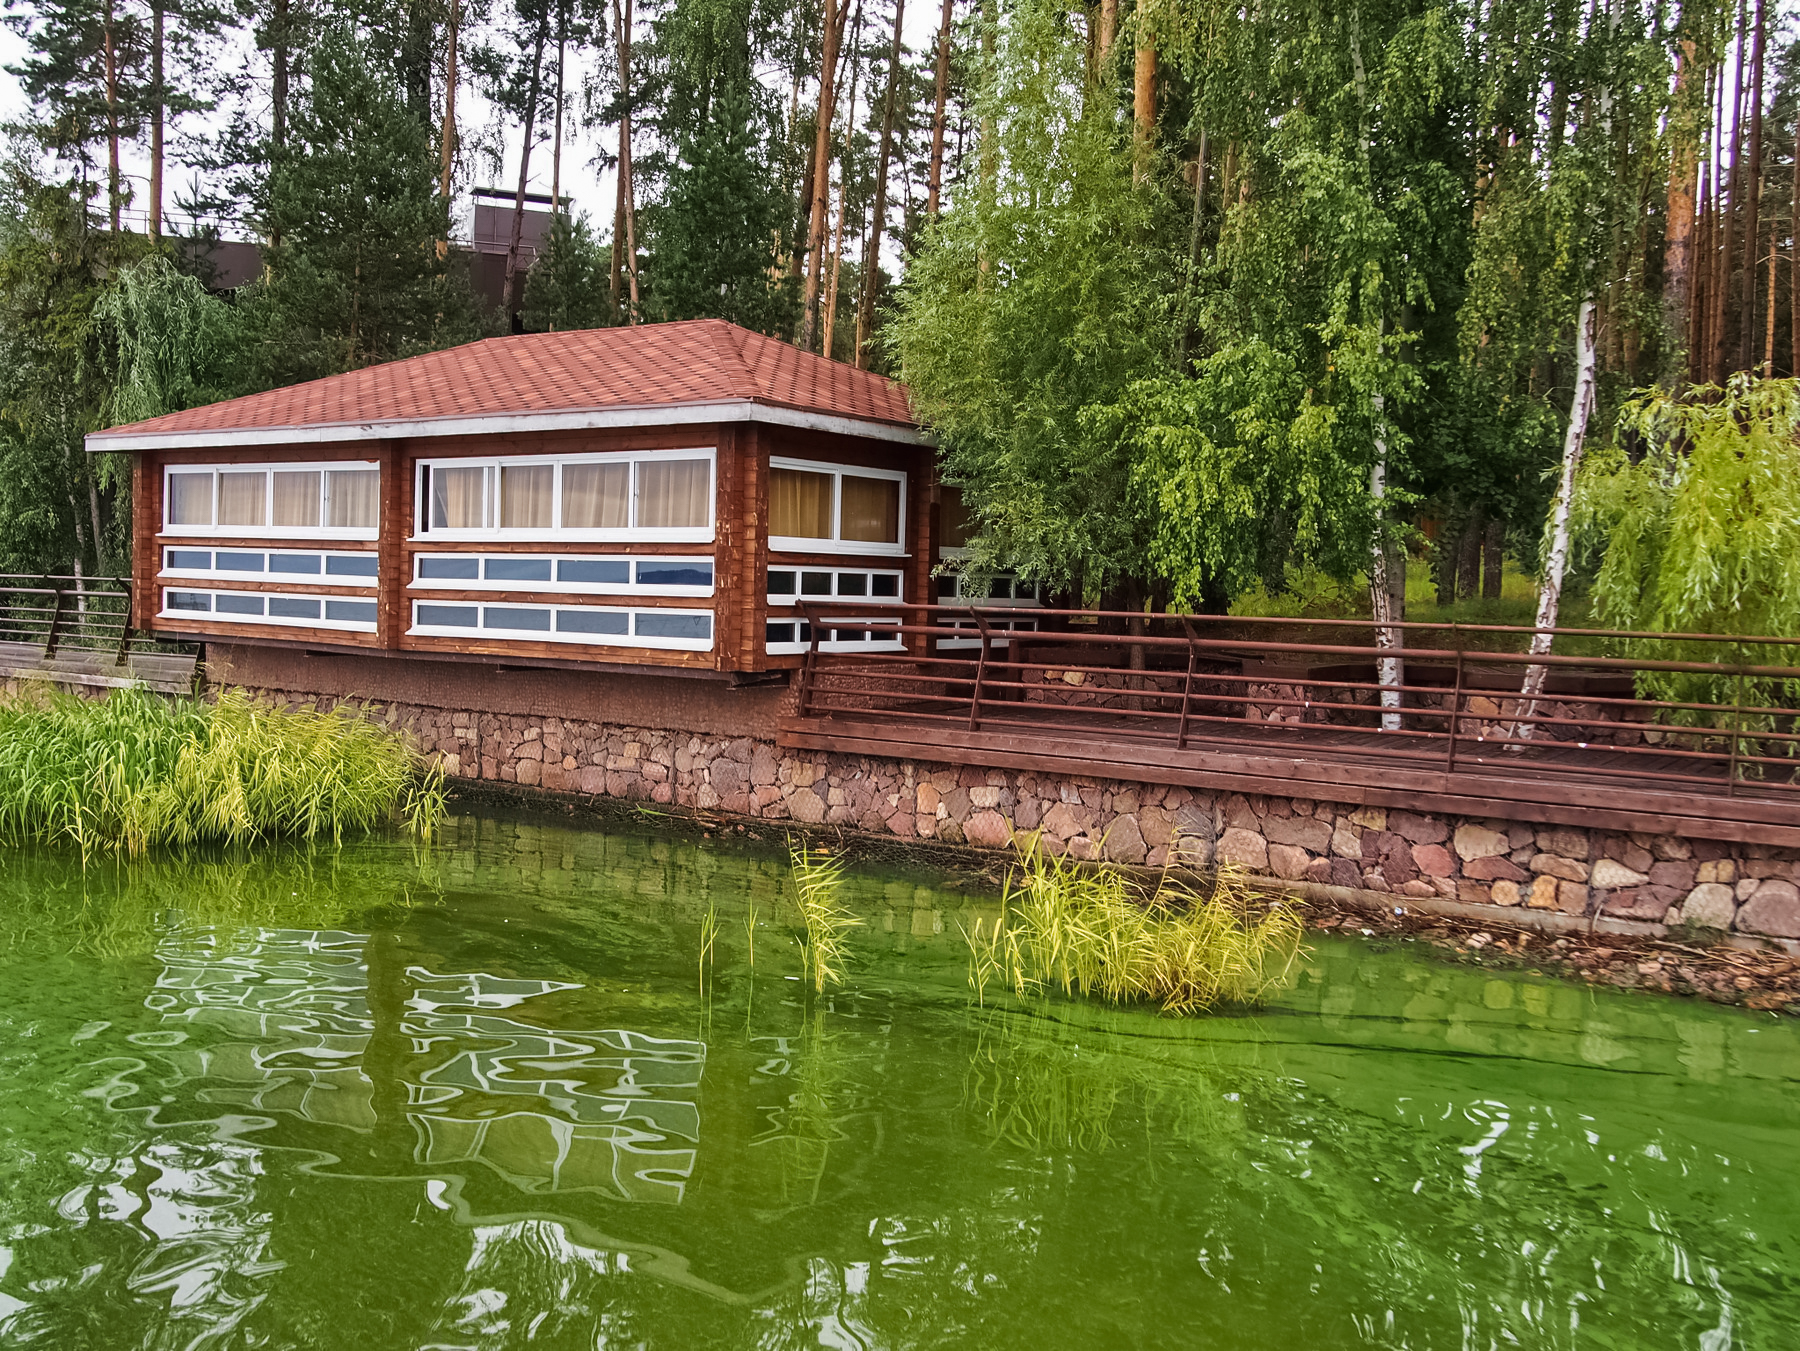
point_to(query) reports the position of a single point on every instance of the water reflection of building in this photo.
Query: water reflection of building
(281, 1022)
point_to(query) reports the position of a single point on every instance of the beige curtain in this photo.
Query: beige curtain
(354, 498)
(673, 494)
(527, 494)
(243, 498)
(799, 504)
(457, 498)
(870, 510)
(297, 497)
(191, 499)
(596, 496)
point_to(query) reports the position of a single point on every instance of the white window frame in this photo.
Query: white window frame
(832, 623)
(800, 544)
(321, 578)
(553, 587)
(213, 616)
(1009, 602)
(627, 639)
(320, 532)
(834, 598)
(423, 534)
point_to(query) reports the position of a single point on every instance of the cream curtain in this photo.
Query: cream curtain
(191, 499)
(354, 498)
(596, 496)
(297, 497)
(799, 504)
(457, 498)
(869, 511)
(527, 495)
(673, 494)
(243, 498)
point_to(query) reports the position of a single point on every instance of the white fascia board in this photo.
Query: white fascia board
(652, 415)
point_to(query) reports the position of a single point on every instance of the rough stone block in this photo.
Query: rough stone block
(1568, 843)
(1124, 841)
(806, 806)
(1612, 875)
(1433, 860)
(1301, 831)
(1416, 829)
(927, 799)
(984, 796)
(1289, 861)
(1635, 857)
(1370, 818)
(1476, 893)
(1245, 848)
(1774, 910)
(1505, 892)
(987, 829)
(1671, 848)
(1345, 873)
(1678, 876)
(1344, 842)
(1572, 897)
(1649, 903)
(1716, 870)
(1494, 868)
(1065, 822)
(1555, 865)
(1238, 815)
(1418, 888)
(1473, 842)
(1542, 895)
(527, 772)
(1710, 904)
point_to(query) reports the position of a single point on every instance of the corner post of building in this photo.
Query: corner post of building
(733, 649)
(391, 544)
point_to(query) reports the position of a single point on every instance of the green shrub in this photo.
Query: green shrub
(135, 771)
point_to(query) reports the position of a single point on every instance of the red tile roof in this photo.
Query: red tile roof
(698, 361)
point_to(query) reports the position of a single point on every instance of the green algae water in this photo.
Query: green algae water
(473, 1096)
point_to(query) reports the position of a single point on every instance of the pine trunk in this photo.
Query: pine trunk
(865, 312)
(934, 184)
(1493, 560)
(278, 74)
(835, 11)
(1753, 183)
(1556, 561)
(156, 117)
(1143, 100)
(1730, 198)
(514, 285)
(625, 220)
(112, 122)
(447, 145)
(1684, 165)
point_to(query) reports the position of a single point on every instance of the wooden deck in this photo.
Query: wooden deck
(1596, 787)
(165, 672)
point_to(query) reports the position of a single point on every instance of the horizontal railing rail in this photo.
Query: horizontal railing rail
(1708, 713)
(56, 614)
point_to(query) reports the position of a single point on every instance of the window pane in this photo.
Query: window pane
(853, 584)
(350, 611)
(956, 527)
(299, 565)
(238, 603)
(594, 570)
(519, 620)
(243, 498)
(293, 607)
(884, 584)
(781, 582)
(592, 621)
(191, 559)
(672, 494)
(187, 600)
(190, 499)
(674, 574)
(457, 498)
(518, 569)
(870, 511)
(674, 624)
(457, 567)
(525, 496)
(351, 565)
(446, 616)
(355, 498)
(297, 497)
(799, 504)
(238, 562)
(596, 496)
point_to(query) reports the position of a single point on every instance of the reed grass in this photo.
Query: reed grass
(136, 771)
(1096, 930)
(817, 877)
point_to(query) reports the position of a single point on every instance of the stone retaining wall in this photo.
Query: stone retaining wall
(1659, 878)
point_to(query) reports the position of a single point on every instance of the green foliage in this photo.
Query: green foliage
(134, 772)
(817, 877)
(355, 273)
(1096, 930)
(165, 343)
(568, 286)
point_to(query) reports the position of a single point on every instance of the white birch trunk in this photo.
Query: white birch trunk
(1390, 672)
(1556, 560)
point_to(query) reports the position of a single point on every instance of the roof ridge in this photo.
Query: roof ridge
(726, 339)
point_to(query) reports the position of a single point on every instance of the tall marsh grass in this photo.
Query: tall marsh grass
(817, 877)
(1095, 929)
(135, 771)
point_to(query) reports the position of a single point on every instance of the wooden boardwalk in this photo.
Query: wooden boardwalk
(165, 672)
(1601, 786)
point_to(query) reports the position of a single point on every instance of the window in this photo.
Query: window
(826, 508)
(278, 501)
(787, 585)
(956, 525)
(257, 607)
(1002, 589)
(657, 576)
(605, 626)
(358, 569)
(786, 636)
(664, 495)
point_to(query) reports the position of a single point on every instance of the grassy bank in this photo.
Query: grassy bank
(135, 771)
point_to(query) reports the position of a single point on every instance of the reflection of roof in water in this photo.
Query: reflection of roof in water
(596, 1110)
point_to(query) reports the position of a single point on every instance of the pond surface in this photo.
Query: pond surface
(474, 1097)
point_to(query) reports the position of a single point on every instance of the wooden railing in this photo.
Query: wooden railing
(1701, 713)
(54, 614)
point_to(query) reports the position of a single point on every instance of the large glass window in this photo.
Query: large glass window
(652, 495)
(824, 508)
(276, 501)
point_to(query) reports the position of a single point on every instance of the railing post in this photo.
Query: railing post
(56, 616)
(806, 668)
(1187, 688)
(980, 669)
(1737, 727)
(1456, 696)
(124, 632)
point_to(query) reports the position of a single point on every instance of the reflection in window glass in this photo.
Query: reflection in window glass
(602, 571)
(243, 498)
(527, 493)
(956, 526)
(596, 496)
(674, 624)
(297, 497)
(592, 621)
(458, 498)
(869, 511)
(799, 504)
(352, 498)
(191, 499)
(672, 494)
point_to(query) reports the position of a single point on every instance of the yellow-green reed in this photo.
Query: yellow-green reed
(817, 877)
(136, 771)
(1096, 929)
